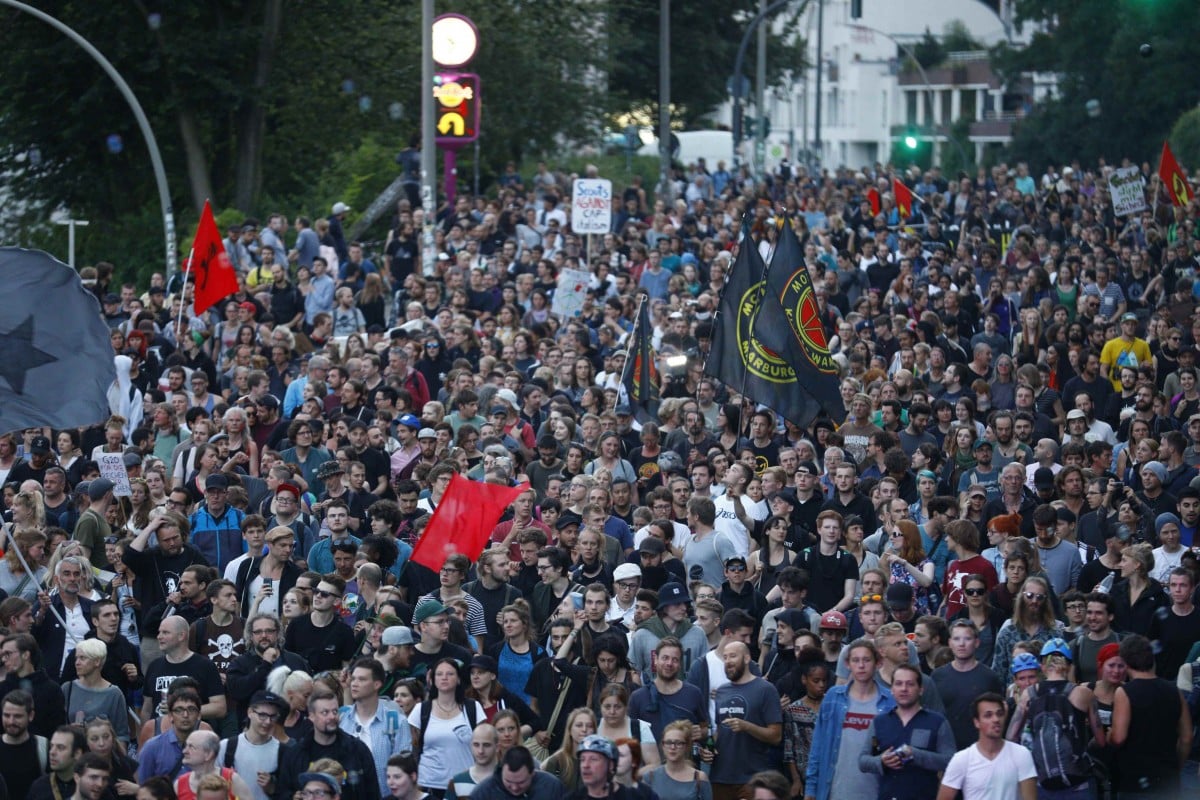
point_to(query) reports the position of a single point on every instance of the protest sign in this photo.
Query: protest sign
(591, 206)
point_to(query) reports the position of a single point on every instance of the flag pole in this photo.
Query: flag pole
(33, 579)
(187, 271)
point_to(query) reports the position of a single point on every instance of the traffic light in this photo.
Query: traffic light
(911, 141)
(856, 9)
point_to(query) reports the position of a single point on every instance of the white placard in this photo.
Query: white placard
(112, 466)
(591, 205)
(571, 291)
(1128, 191)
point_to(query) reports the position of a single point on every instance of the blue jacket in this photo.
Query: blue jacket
(220, 540)
(827, 737)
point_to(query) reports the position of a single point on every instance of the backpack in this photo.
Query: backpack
(1057, 745)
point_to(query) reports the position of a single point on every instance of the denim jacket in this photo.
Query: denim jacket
(827, 737)
(389, 732)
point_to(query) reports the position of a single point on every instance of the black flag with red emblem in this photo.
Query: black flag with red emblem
(742, 362)
(641, 373)
(789, 325)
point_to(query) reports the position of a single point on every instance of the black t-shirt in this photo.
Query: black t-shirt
(1177, 634)
(827, 577)
(324, 648)
(162, 673)
(421, 663)
(19, 766)
(958, 691)
(766, 456)
(377, 465)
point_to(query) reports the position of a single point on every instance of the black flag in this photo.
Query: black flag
(641, 373)
(56, 362)
(739, 360)
(789, 324)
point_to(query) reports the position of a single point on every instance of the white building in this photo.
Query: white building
(870, 97)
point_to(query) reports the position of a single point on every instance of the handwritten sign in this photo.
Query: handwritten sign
(112, 466)
(570, 293)
(591, 205)
(1128, 191)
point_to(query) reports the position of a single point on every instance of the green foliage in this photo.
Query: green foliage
(705, 34)
(263, 104)
(1093, 45)
(957, 38)
(929, 51)
(1185, 140)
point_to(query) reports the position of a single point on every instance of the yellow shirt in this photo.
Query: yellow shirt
(1119, 353)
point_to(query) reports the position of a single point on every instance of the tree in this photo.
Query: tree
(1185, 140)
(1094, 48)
(705, 35)
(252, 101)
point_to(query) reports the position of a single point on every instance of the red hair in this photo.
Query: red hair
(1009, 524)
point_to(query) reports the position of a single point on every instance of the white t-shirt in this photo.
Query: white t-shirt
(981, 778)
(250, 759)
(446, 748)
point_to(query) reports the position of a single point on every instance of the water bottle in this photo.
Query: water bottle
(1105, 586)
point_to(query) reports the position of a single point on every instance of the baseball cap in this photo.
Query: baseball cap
(1076, 413)
(899, 595)
(290, 488)
(652, 545)
(507, 395)
(834, 621)
(623, 410)
(263, 697)
(624, 572)
(565, 520)
(735, 560)
(808, 467)
(39, 445)
(396, 636)
(102, 486)
(485, 663)
(340, 208)
(981, 443)
(410, 421)
(1129, 316)
(131, 460)
(427, 433)
(976, 488)
(426, 610)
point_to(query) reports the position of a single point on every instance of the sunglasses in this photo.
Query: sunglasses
(871, 598)
(976, 592)
(323, 593)
(1034, 596)
(736, 568)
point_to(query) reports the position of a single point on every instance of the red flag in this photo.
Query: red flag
(873, 198)
(215, 277)
(1173, 178)
(904, 199)
(463, 521)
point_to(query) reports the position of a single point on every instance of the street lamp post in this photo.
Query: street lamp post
(160, 174)
(751, 27)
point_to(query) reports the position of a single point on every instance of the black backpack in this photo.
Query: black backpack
(1058, 744)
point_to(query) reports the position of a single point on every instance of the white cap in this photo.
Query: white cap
(340, 208)
(624, 572)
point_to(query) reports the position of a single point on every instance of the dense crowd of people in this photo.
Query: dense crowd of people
(976, 575)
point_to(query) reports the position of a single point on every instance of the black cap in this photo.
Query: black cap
(672, 594)
(567, 519)
(263, 697)
(652, 545)
(899, 595)
(485, 663)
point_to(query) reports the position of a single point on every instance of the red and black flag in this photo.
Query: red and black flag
(904, 199)
(789, 324)
(641, 378)
(742, 362)
(1173, 178)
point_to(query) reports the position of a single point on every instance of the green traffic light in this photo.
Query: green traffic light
(910, 142)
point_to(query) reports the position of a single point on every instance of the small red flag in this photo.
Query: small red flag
(215, 276)
(1173, 178)
(463, 521)
(904, 199)
(873, 198)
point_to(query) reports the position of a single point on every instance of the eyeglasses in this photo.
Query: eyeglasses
(896, 535)
(176, 504)
(266, 716)
(628, 584)
(674, 743)
(1034, 596)
(976, 592)
(451, 569)
(316, 793)
(111, 539)
(189, 710)
(871, 598)
(1076, 606)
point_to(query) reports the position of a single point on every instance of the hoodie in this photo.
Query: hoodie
(648, 635)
